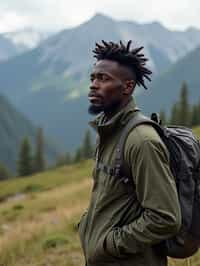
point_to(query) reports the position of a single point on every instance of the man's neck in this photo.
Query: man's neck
(110, 113)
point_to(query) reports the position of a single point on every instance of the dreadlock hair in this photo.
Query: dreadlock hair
(121, 53)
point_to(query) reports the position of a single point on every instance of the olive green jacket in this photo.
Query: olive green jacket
(126, 221)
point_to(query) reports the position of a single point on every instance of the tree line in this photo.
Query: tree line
(30, 162)
(182, 112)
(84, 152)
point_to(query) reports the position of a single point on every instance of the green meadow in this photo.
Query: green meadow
(39, 216)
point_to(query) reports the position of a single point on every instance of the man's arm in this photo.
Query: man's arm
(156, 192)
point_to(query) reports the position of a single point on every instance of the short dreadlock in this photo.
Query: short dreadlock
(122, 54)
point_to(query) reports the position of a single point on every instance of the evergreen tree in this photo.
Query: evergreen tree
(198, 112)
(195, 115)
(39, 161)
(184, 108)
(78, 155)
(64, 160)
(174, 118)
(25, 161)
(68, 159)
(4, 172)
(87, 147)
(163, 117)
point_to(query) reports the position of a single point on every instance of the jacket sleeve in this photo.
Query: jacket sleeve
(157, 195)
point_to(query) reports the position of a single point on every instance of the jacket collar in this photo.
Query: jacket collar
(119, 119)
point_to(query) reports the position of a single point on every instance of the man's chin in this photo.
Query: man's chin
(95, 109)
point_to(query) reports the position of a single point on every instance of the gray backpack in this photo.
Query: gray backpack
(184, 150)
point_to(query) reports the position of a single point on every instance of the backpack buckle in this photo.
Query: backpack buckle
(117, 170)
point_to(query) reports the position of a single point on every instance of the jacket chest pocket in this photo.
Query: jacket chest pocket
(112, 186)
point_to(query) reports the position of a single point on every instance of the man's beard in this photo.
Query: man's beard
(97, 109)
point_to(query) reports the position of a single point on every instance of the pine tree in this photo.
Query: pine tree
(25, 161)
(163, 117)
(87, 147)
(64, 160)
(39, 161)
(78, 155)
(184, 108)
(195, 115)
(198, 112)
(174, 118)
(4, 172)
(68, 159)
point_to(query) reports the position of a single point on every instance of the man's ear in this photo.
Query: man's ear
(129, 87)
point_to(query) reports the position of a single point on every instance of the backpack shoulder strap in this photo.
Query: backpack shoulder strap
(138, 119)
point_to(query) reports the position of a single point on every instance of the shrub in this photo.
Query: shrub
(53, 241)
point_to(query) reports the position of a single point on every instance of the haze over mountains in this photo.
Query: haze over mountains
(49, 83)
(15, 43)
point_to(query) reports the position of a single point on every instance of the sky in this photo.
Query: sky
(53, 15)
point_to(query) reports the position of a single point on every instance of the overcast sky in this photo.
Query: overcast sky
(58, 14)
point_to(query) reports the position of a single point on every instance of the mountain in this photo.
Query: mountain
(27, 38)
(13, 128)
(164, 90)
(15, 43)
(49, 83)
(162, 46)
(7, 48)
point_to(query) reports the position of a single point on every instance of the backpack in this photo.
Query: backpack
(184, 150)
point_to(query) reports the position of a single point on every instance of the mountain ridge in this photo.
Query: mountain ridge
(50, 83)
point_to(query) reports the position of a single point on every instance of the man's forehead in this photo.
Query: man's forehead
(113, 68)
(108, 66)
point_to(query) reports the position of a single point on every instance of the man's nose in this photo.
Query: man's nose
(94, 85)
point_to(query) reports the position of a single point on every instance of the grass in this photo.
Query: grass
(40, 228)
(39, 216)
(196, 131)
(45, 181)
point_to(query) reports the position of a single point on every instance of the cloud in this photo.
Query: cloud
(56, 14)
(11, 21)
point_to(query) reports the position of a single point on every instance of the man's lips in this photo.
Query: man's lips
(94, 97)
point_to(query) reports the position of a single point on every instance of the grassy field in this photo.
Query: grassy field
(39, 214)
(38, 224)
(196, 131)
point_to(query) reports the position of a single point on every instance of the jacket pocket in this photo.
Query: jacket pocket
(98, 254)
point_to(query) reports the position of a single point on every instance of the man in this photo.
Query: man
(126, 221)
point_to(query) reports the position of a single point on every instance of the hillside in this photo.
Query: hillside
(49, 84)
(38, 224)
(196, 131)
(27, 38)
(7, 48)
(14, 126)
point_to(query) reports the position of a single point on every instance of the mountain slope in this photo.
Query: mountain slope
(13, 128)
(164, 91)
(15, 43)
(7, 48)
(27, 38)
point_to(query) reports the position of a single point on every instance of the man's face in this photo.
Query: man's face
(107, 87)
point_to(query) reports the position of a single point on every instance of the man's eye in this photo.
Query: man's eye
(104, 77)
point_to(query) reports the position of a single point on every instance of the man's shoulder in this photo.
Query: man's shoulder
(141, 134)
(144, 137)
